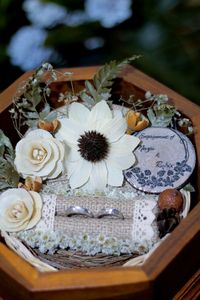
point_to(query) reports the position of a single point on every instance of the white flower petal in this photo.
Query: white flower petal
(99, 113)
(71, 167)
(115, 175)
(61, 148)
(124, 146)
(78, 112)
(37, 210)
(48, 170)
(98, 177)
(121, 155)
(58, 168)
(69, 131)
(80, 173)
(114, 129)
(119, 111)
(121, 162)
(38, 133)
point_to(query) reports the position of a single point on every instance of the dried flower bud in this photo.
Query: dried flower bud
(31, 184)
(49, 126)
(185, 126)
(136, 121)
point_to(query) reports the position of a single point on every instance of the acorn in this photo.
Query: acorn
(136, 121)
(49, 126)
(31, 184)
(170, 198)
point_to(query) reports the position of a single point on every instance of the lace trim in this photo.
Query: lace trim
(48, 213)
(143, 218)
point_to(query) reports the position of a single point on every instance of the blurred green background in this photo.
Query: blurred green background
(81, 33)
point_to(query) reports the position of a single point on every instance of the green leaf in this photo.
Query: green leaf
(8, 175)
(104, 96)
(5, 145)
(158, 121)
(52, 116)
(151, 116)
(30, 123)
(188, 187)
(31, 115)
(92, 91)
(44, 113)
(3, 185)
(2, 150)
(103, 79)
(86, 98)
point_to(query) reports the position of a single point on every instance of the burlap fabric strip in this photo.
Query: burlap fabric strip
(138, 223)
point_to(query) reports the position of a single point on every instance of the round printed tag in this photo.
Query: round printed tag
(165, 158)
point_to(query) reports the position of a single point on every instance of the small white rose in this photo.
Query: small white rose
(19, 209)
(39, 154)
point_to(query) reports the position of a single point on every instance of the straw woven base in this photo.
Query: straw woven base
(64, 259)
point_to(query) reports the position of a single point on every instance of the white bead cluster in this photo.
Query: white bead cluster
(39, 154)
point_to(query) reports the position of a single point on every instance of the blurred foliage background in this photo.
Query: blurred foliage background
(71, 33)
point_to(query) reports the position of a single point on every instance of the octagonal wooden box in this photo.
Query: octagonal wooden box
(171, 271)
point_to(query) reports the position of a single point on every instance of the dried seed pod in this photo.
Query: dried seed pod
(136, 121)
(167, 220)
(170, 198)
(49, 126)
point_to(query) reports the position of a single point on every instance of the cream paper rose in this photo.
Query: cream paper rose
(19, 209)
(39, 154)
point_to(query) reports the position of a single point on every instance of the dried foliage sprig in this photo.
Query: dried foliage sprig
(161, 112)
(100, 89)
(158, 110)
(8, 174)
(30, 103)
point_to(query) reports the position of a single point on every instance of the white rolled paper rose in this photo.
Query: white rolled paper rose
(39, 154)
(19, 209)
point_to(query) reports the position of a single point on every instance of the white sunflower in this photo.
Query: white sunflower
(99, 148)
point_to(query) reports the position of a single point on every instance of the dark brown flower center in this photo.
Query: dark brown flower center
(93, 146)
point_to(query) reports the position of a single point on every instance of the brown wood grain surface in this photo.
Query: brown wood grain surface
(191, 290)
(162, 276)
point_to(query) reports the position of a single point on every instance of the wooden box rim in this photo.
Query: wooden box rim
(171, 264)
